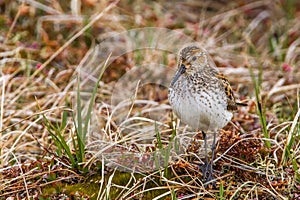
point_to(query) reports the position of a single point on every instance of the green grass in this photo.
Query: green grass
(57, 133)
(261, 108)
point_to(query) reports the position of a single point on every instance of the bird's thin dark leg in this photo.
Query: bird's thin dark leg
(210, 173)
(205, 147)
(205, 166)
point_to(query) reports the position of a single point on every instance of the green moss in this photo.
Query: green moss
(90, 187)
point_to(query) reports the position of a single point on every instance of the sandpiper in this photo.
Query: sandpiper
(201, 97)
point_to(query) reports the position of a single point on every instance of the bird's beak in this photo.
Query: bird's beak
(179, 72)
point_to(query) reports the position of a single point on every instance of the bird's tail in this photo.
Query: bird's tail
(241, 104)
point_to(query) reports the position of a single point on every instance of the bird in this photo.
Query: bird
(201, 97)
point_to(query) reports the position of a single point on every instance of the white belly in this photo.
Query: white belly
(205, 110)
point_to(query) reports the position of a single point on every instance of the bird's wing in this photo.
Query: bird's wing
(231, 104)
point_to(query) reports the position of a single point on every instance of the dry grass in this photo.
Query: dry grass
(135, 147)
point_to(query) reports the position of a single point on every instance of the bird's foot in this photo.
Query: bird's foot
(207, 174)
(204, 169)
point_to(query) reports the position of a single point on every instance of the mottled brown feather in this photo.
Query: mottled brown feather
(232, 106)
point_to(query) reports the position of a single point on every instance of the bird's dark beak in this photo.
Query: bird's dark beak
(180, 71)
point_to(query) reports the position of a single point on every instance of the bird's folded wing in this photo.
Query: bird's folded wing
(231, 104)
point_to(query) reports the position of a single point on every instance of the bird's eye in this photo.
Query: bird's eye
(194, 58)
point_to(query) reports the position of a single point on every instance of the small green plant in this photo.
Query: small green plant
(57, 131)
(221, 191)
(173, 194)
(290, 141)
(261, 109)
(81, 131)
(257, 82)
(164, 152)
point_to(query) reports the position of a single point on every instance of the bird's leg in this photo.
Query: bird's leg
(205, 166)
(205, 147)
(210, 172)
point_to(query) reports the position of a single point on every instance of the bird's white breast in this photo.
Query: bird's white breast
(205, 109)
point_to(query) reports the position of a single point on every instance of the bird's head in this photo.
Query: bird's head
(192, 59)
